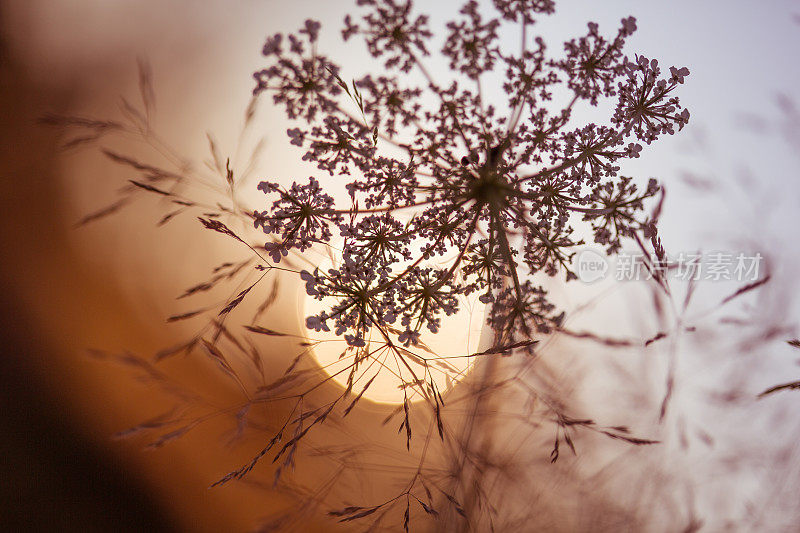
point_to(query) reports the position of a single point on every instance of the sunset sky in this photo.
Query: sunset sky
(732, 184)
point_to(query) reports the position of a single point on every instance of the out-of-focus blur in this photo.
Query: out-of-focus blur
(731, 181)
(61, 469)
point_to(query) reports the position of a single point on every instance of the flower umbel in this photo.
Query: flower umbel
(493, 196)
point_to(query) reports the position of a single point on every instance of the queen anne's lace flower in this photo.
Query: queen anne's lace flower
(491, 196)
(594, 64)
(471, 44)
(377, 239)
(646, 106)
(301, 216)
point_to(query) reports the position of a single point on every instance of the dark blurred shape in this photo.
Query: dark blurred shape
(53, 477)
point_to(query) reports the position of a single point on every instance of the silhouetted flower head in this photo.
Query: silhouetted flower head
(490, 193)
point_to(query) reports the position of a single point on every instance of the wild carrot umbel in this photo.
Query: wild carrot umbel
(494, 190)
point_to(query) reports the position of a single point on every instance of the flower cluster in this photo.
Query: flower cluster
(301, 216)
(471, 45)
(492, 197)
